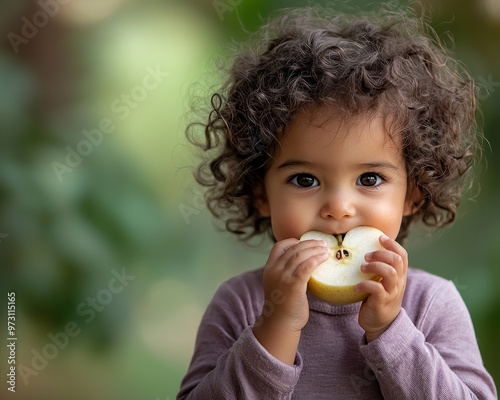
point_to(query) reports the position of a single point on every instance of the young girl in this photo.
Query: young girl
(330, 123)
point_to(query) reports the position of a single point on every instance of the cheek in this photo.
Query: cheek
(387, 218)
(289, 222)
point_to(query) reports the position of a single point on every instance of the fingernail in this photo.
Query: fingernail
(363, 267)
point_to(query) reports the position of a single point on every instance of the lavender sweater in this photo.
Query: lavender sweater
(429, 351)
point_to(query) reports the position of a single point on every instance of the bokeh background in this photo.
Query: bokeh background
(112, 80)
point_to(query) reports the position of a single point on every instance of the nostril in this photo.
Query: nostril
(337, 206)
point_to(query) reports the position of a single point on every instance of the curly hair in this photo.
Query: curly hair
(389, 62)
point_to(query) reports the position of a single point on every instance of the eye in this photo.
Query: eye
(303, 180)
(369, 179)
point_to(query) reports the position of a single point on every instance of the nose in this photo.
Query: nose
(338, 204)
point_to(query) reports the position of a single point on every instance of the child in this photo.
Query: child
(338, 122)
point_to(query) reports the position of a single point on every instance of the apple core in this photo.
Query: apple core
(334, 280)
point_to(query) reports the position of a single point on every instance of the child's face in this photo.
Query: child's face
(335, 177)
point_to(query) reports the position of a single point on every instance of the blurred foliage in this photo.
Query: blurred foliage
(130, 203)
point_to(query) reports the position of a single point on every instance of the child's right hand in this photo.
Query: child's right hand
(286, 273)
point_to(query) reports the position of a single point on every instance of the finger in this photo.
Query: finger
(289, 248)
(373, 288)
(386, 257)
(389, 274)
(280, 248)
(303, 263)
(391, 258)
(395, 247)
(300, 253)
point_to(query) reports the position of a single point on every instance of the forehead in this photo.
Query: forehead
(321, 128)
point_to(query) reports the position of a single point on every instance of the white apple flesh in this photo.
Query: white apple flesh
(334, 280)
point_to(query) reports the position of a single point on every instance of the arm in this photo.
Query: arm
(286, 274)
(437, 359)
(240, 355)
(228, 362)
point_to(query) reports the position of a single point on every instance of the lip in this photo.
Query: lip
(328, 232)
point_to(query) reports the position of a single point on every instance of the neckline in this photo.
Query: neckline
(332, 309)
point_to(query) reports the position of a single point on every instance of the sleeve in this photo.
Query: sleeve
(228, 361)
(439, 359)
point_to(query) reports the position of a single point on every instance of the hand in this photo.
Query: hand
(383, 304)
(286, 274)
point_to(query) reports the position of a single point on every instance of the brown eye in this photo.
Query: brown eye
(304, 180)
(369, 179)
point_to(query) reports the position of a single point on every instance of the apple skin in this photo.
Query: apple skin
(334, 280)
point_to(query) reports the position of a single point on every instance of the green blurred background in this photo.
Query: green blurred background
(129, 205)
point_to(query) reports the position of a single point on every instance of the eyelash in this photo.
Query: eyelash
(296, 175)
(380, 176)
(293, 176)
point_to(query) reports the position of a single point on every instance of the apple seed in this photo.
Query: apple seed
(342, 254)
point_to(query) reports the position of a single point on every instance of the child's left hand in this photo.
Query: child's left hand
(383, 304)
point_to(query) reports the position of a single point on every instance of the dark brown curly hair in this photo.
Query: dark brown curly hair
(389, 62)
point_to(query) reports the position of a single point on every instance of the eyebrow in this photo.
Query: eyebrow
(379, 164)
(294, 163)
(376, 164)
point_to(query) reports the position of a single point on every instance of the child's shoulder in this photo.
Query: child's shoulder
(423, 289)
(418, 279)
(252, 278)
(246, 285)
(238, 300)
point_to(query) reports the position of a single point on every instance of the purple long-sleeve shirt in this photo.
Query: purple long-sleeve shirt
(429, 352)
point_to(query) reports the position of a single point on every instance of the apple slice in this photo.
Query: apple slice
(334, 280)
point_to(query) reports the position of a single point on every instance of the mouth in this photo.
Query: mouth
(339, 236)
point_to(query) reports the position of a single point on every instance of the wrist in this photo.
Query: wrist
(370, 337)
(373, 335)
(280, 342)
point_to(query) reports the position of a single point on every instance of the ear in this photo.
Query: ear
(413, 202)
(261, 202)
